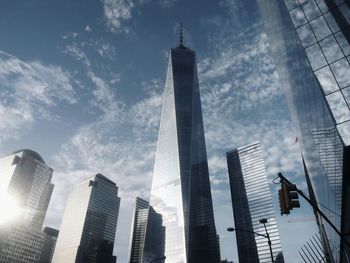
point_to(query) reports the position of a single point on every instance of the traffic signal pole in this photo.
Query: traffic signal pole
(285, 180)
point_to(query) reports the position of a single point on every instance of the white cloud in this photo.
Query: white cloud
(115, 12)
(88, 28)
(28, 91)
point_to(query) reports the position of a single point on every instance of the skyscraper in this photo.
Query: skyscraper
(252, 201)
(310, 44)
(138, 230)
(89, 223)
(25, 192)
(180, 191)
(49, 244)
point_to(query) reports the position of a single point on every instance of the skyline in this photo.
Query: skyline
(82, 102)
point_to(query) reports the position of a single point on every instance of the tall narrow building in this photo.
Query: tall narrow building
(138, 230)
(89, 223)
(251, 202)
(25, 192)
(49, 244)
(310, 44)
(180, 191)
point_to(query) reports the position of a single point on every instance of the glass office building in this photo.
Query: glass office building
(89, 223)
(138, 230)
(180, 192)
(309, 42)
(25, 192)
(252, 201)
(49, 244)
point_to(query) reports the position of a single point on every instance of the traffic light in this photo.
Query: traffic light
(288, 196)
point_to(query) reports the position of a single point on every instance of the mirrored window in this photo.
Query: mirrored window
(325, 77)
(344, 130)
(338, 106)
(306, 35)
(320, 28)
(331, 22)
(344, 9)
(346, 93)
(291, 4)
(322, 5)
(298, 17)
(315, 56)
(341, 70)
(343, 42)
(311, 10)
(331, 49)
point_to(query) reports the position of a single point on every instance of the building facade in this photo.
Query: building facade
(25, 192)
(138, 230)
(252, 201)
(49, 244)
(309, 42)
(180, 192)
(89, 223)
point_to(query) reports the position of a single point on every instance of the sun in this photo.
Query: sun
(9, 209)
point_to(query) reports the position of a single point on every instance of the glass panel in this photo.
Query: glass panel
(325, 77)
(344, 9)
(316, 57)
(306, 35)
(321, 4)
(291, 4)
(338, 106)
(311, 10)
(320, 27)
(338, 2)
(346, 93)
(298, 17)
(341, 72)
(331, 22)
(331, 49)
(343, 43)
(344, 130)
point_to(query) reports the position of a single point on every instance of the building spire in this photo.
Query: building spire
(181, 36)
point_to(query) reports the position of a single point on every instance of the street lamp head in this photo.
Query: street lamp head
(263, 221)
(230, 229)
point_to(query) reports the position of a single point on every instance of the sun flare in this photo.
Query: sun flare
(9, 209)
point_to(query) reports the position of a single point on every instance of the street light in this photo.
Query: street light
(262, 221)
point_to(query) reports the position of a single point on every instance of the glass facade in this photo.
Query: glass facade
(25, 192)
(50, 238)
(138, 230)
(89, 223)
(252, 201)
(308, 41)
(180, 192)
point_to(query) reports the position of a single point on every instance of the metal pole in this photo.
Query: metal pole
(269, 242)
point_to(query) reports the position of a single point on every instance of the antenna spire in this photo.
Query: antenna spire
(181, 35)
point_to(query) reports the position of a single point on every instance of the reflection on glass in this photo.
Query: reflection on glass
(316, 57)
(338, 106)
(331, 49)
(325, 77)
(341, 70)
(180, 189)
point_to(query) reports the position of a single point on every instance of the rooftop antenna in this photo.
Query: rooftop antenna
(181, 35)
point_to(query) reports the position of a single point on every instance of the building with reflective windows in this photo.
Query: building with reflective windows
(180, 192)
(89, 223)
(49, 244)
(138, 230)
(25, 192)
(252, 201)
(309, 41)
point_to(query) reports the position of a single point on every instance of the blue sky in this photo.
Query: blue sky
(81, 83)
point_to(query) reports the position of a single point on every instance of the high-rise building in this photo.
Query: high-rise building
(25, 192)
(309, 42)
(180, 192)
(89, 223)
(251, 202)
(138, 230)
(49, 244)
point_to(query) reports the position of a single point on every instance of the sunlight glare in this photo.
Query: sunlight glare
(9, 209)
